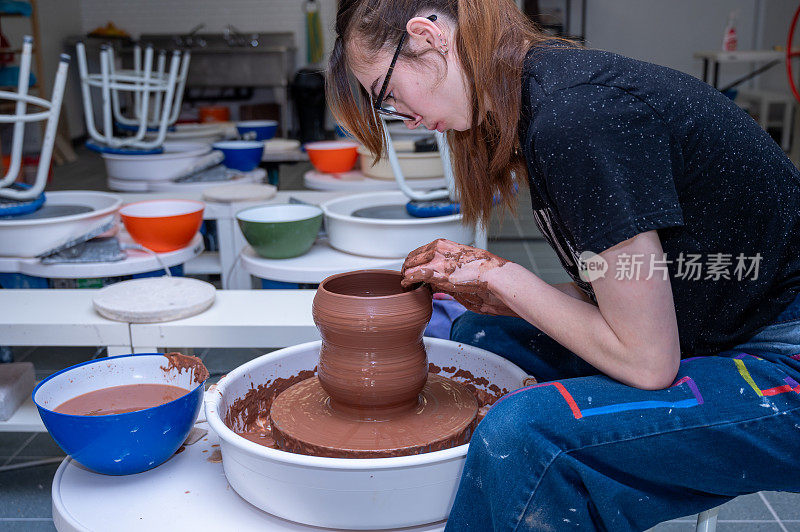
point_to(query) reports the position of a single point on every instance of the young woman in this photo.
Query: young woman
(668, 370)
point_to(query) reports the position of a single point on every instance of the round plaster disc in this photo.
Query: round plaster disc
(154, 299)
(240, 192)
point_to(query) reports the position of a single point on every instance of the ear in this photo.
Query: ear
(425, 34)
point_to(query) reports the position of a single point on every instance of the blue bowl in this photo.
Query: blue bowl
(242, 155)
(264, 129)
(119, 444)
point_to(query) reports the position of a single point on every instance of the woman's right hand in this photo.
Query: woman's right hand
(461, 271)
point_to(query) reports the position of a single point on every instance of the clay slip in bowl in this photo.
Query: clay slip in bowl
(163, 225)
(119, 444)
(280, 231)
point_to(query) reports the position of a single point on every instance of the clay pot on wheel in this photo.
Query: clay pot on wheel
(372, 356)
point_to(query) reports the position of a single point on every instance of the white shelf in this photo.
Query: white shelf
(204, 264)
(25, 419)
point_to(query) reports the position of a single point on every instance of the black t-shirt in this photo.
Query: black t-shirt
(616, 147)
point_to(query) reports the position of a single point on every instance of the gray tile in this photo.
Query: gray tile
(47, 360)
(745, 508)
(27, 526)
(10, 442)
(42, 445)
(743, 526)
(26, 492)
(225, 360)
(674, 526)
(785, 504)
(513, 251)
(503, 228)
(86, 173)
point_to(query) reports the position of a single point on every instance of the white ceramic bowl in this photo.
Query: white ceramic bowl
(203, 133)
(423, 165)
(30, 238)
(353, 494)
(386, 238)
(178, 157)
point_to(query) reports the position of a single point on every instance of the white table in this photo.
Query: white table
(238, 318)
(714, 58)
(312, 267)
(188, 492)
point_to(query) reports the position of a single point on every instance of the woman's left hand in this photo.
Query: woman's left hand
(462, 271)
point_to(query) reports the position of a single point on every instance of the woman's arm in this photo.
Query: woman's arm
(572, 290)
(632, 333)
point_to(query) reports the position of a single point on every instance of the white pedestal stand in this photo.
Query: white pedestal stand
(188, 492)
(137, 262)
(320, 262)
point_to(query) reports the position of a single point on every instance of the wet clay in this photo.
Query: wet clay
(249, 415)
(443, 417)
(372, 396)
(181, 363)
(121, 399)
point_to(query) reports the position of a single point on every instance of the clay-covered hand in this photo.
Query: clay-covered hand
(459, 270)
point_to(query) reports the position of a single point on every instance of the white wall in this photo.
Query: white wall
(180, 16)
(57, 20)
(669, 32)
(777, 16)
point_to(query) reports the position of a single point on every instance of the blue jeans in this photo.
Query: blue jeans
(582, 451)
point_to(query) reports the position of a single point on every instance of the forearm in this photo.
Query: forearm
(572, 290)
(580, 326)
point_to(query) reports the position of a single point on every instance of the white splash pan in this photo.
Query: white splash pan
(372, 237)
(178, 157)
(353, 494)
(30, 238)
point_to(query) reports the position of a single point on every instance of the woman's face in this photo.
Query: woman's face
(431, 88)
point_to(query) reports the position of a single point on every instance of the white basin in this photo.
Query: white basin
(32, 237)
(386, 238)
(178, 157)
(356, 494)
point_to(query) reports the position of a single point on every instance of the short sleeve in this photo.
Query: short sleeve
(608, 163)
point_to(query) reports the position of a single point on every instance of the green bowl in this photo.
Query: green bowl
(280, 231)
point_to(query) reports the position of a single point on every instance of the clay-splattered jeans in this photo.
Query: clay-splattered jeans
(582, 451)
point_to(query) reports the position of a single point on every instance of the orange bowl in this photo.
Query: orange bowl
(332, 157)
(163, 225)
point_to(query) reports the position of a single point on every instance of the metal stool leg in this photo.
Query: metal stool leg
(707, 521)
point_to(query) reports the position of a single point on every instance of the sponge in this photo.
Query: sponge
(16, 383)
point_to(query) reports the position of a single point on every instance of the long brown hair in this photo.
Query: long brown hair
(492, 39)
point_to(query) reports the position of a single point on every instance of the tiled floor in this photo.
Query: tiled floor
(25, 493)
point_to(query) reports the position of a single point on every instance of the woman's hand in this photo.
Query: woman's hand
(462, 271)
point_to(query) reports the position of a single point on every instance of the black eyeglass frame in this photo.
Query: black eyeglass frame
(391, 113)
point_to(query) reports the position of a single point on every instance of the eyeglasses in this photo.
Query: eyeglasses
(391, 112)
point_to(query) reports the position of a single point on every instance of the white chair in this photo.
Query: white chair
(707, 521)
(762, 102)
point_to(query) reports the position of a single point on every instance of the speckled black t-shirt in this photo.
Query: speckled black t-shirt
(616, 147)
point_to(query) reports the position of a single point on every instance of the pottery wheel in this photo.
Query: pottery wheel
(154, 299)
(304, 422)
